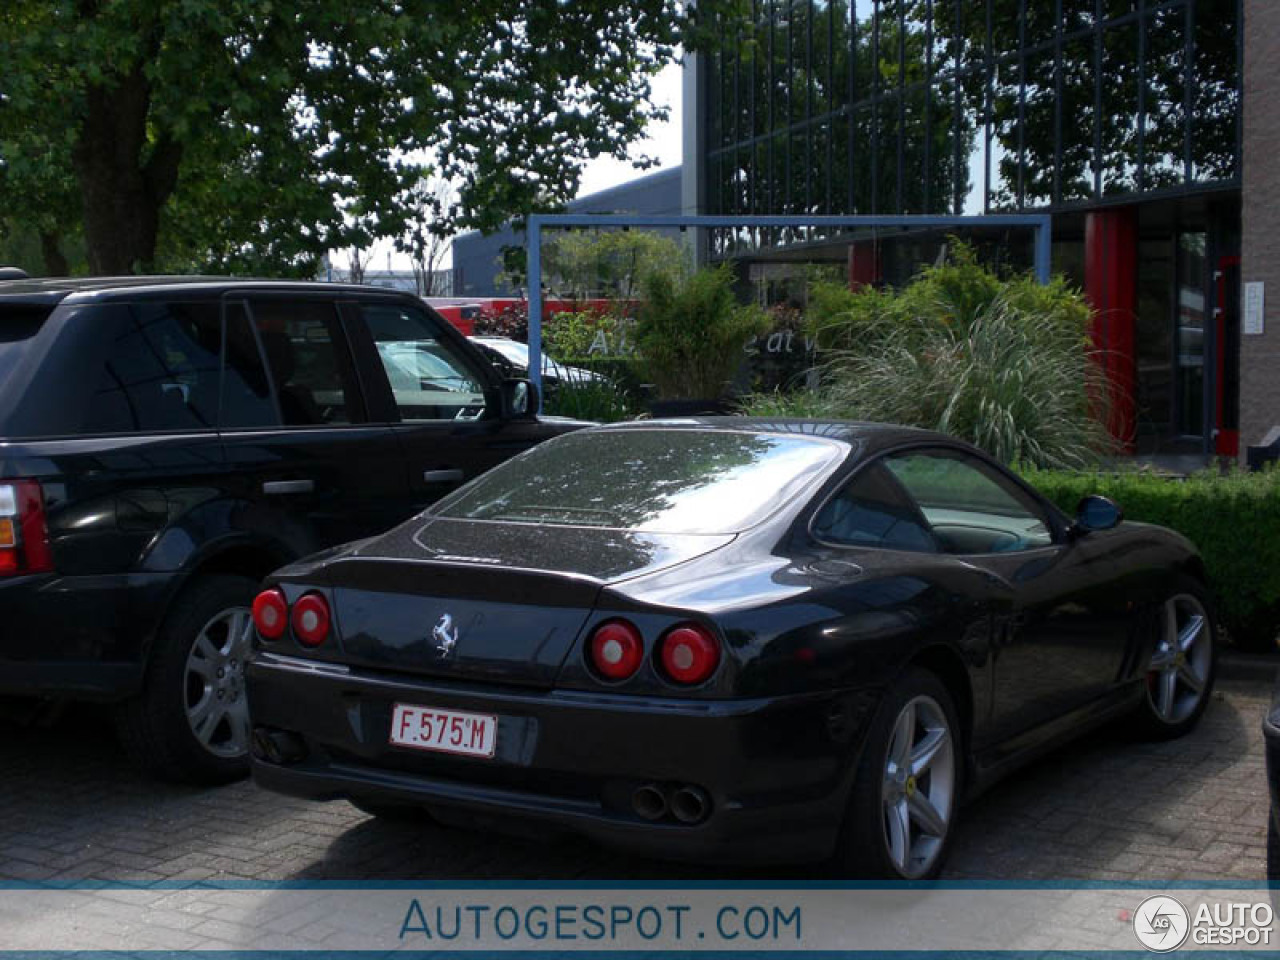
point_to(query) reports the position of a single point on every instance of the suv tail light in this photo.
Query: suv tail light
(690, 653)
(24, 536)
(616, 649)
(311, 620)
(271, 613)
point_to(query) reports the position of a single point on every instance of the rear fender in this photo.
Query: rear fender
(236, 554)
(213, 526)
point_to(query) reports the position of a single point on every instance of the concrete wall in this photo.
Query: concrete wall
(1260, 237)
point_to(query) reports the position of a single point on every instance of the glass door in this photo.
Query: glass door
(1226, 358)
(1189, 335)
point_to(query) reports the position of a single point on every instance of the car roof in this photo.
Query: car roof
(55, 290)
(858, 433)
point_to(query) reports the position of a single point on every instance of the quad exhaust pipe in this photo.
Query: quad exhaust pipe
(650, 801)
(690, 804)
(684, 803)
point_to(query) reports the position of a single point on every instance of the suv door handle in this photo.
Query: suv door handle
(442, 476)
(276, 487)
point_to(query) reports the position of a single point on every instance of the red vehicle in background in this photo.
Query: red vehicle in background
(462, 312)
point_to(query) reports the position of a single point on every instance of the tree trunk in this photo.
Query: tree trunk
(55, 262)
(123, 195)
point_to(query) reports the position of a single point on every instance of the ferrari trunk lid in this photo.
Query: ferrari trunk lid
(481, 601)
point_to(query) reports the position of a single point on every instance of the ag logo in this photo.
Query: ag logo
(1161, 924)
(445, 635)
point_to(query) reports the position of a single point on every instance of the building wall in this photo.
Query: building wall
(1260, 241)
(977, 106)
(476, 256)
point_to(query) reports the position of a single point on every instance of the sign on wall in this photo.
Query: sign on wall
(1252, 308)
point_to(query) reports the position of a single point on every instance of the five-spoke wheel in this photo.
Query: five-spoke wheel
(919, 786)
(907, 784)
(1180, 671)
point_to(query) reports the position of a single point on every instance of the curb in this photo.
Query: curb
(1234, 665)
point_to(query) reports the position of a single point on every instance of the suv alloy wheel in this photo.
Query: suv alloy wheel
(191, 722)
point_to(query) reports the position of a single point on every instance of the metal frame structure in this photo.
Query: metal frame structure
(1040, 224)
(988, 51)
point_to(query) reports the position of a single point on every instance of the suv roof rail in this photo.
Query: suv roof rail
(13, 273)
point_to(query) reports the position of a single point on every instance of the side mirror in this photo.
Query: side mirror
(519, 399)
(1096, 513)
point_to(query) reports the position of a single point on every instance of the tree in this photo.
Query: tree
(608, 263)
(425, 243)
(43, 224)
(242, 132)
(358, 261)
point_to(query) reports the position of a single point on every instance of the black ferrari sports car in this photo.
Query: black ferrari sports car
(724, 639)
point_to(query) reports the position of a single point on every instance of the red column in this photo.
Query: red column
(1111, 286)
(864, 264)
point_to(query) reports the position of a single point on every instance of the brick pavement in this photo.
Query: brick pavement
(1105, 808)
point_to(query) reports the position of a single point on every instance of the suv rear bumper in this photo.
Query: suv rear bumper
(78, 637)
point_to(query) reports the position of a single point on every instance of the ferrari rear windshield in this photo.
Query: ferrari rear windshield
(652, 480)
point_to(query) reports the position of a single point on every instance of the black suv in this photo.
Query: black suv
(165, 443)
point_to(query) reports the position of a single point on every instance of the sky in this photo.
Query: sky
(663, 143)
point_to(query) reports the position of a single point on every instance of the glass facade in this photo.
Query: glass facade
(969, 106)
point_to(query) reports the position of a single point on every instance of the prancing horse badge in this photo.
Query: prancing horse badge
(446, 636)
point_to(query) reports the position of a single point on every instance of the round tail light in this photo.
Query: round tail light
(690, 653)
(311, 620)
(270, 613)
(616, 649)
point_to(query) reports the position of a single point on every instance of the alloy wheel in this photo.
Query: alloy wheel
(918, 794)
(1179, 670)
(213, 691)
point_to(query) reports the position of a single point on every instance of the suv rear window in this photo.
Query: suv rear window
(161, 371)
(19, 323)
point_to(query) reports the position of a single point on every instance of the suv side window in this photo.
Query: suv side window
(301, 340)
(872, 511)
(246, 391)
(161, 372)
(430, 378)
(970, 508)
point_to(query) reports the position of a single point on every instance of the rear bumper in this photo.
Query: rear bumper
(777, 771)
(77, 637)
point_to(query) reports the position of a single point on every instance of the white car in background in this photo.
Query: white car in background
(514, 356)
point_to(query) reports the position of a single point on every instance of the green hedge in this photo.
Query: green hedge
(1233, 519)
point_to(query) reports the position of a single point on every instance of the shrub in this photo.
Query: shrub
(512, 322)
(1233, 519)
(576, 336)
(608, 263)
(603, 401)
(690, 332)
(1002, 363)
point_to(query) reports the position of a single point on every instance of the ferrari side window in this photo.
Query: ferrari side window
(873, 512)
(969, 507)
